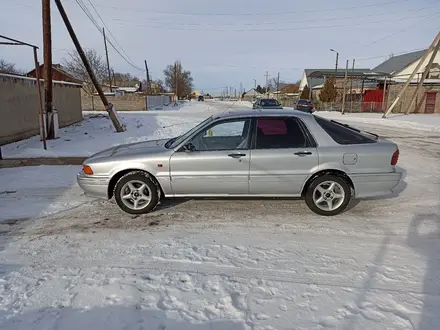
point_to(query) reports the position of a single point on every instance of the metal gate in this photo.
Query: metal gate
(430, 102)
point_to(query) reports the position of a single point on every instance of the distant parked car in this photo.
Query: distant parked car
(304, 105)
(266, 104)
(201, 98)
(265, 153)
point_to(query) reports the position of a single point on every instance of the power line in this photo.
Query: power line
(400, 31)
(279, 22)
(95, 23)
(275, 29)
(395, 54)
(110, 32)
(380, 4)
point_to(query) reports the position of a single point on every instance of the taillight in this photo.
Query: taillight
(395, 158)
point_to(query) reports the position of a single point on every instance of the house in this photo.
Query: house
(251, 95)
(58, 74)
(315, 77)
(399, 68)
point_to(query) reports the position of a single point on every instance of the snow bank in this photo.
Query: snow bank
(422, 122)
(96, 131)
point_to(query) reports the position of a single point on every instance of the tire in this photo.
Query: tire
(340, 188)
(147, 199)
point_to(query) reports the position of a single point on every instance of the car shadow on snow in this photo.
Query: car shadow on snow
(395, 194)
(108, 318)
(427, 244)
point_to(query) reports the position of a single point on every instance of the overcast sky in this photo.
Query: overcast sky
(227, 42)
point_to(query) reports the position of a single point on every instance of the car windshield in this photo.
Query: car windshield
(269, 102)
(172, 143)
(304, 101)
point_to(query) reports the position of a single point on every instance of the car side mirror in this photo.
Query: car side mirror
(189, 147)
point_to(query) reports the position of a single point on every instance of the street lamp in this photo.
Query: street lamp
(337, 59)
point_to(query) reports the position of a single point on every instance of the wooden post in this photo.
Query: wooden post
(345, 89)
(351, 87)
(108, 106)
(362, 94)
(424, 76)
(384, 99)
(108, 62)
(411, 77)
(47, 50)
(40, 101)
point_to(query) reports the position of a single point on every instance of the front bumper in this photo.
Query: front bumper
(377, 184)
(93, 186)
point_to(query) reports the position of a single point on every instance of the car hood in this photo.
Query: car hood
(132, 149)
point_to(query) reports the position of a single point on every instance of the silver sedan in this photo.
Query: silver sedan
(263, 153)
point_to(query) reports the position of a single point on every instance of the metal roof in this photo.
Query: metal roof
(397, 63)
(315, 77)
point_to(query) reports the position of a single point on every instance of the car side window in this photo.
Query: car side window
(226, 135)
(340, 134)
(279, 133)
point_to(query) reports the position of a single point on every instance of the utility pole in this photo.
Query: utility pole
(345, 89)
(278, 85)
(255, 86)
(47, 75)
(176, 81)
(384, 97)
(337, 59)
(114, 79)
(411, 77)
(108, 62)
(267, 82)
(148, 79)
(351, 87)
(108, 106)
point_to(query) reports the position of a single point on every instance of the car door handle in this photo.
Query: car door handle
(302, 153)
(239, 155)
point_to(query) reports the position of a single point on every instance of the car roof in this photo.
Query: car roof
(234, 113)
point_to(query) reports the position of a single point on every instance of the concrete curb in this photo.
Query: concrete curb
(19, 162)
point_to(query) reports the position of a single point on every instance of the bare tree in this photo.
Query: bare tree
(178, 80)
(8, 67)
(75, 67)
(121, 78)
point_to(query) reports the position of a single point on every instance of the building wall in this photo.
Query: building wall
(128, 102)
(19, 107)
(406, 98)
(405, 73)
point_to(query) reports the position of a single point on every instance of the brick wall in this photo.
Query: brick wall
(19, 107)
(128, 102)
(406, 98)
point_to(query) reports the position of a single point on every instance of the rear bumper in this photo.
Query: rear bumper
(93, 186)
(377, 184)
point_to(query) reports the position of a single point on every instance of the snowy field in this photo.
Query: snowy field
(217, 264)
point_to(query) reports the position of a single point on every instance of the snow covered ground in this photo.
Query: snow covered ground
(220, 264)
(96, 132)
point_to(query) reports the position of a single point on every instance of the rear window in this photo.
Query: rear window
(304, 102)
(341, 134)
(269, 102)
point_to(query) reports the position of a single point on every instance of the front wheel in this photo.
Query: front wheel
(136, 193)
(328, 195)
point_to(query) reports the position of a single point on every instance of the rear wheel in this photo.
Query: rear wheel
(136, 193)
(328, 195)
